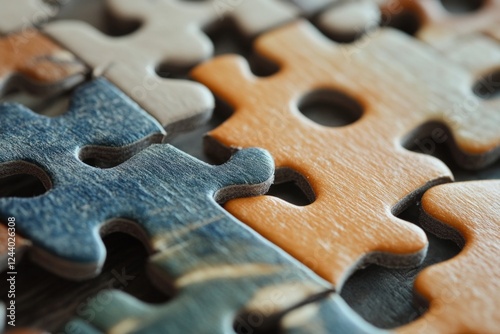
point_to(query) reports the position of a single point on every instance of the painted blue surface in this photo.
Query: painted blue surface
(215, 264)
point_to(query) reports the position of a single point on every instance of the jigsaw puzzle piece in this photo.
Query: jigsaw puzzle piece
(130, 63)
(351, 19)
(309, 7)
(464, 292)
(360, 174)
(439, 26)
(31, 61)
(21, 15)
(251, 17)
(99, 115)
(164, 197)
(241, 296)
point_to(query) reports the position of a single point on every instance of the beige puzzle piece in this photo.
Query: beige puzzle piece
(360, 174)
(464, 292)
(130, 62)
(23, 14)
(351, 18)
(309, 7)
(171, 32)
(438, 26)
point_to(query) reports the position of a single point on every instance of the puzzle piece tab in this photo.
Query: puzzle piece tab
(439, 25)
(351, 19)
(360, 174)
(217, 266)
(31, 61)
(24, 14)
(464, 292)
(171, 32)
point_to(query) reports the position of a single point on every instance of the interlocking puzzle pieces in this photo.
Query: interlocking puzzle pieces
(464, 292)
(360, 174)
(330, 315)
(351, 19)
(99, 116)
(130, 62)
(31, 61)
(19, 15)
(164, 197)
(439, 25)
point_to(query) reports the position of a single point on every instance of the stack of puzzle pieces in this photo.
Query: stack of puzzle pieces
(280, 162)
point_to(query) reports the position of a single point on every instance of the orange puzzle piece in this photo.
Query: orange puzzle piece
(360, 174)
(31, 61)
(464, 292)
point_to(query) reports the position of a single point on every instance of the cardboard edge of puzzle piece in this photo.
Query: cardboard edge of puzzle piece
(32, 62)
(463, 292)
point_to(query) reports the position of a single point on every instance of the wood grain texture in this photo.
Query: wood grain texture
(21, 15)
(31, 61)
(216, 267)
(360, 174)
(330, 315)
(464, 292)
(130, 62)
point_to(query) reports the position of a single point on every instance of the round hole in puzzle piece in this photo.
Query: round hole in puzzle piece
(462, 6)
(488, 86)
(23, 179)
(330, 108)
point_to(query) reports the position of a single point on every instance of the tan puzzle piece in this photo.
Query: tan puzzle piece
(23, 14)
(130, 61)
(33, 62)
(360, 174)
(351, 18)
(438, 25)
(464, 292)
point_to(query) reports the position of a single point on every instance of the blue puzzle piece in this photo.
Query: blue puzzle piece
(217, 266)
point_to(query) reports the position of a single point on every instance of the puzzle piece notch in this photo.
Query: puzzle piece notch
(23, 15)
(439, 26)
(130, 62)
(463, 292)
(164, 196)
(251, 17)
(335, 234)
(31, 61)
